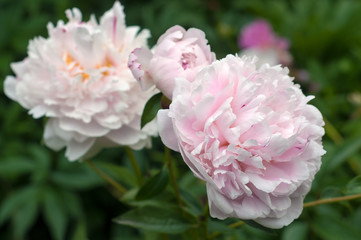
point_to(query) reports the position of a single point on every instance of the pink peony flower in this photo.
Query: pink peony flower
(250, 134)
(260, 34)
(79, 78)
(178, 53)
(258, 39)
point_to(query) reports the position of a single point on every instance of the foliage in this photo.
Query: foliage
(39, 189)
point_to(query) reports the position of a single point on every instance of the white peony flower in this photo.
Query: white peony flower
(78, 77)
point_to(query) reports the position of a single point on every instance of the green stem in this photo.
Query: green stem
(109, 180)
(135, 165)
(233, 225)
(332, 200)
(168, 161)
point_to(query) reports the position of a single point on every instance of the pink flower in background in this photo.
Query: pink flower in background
(178, 53)
(251, 135)
(260, 34)
(79, 78)
(258, 39)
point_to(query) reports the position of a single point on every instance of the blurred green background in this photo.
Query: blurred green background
(43, 196)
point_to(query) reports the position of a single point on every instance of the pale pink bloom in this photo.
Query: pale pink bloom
(251, 135)
(78, 77)
(260, 34)
(178, 53)
(258, 39)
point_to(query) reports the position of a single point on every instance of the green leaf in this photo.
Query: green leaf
(342, 153)
(216, 225)
(354, 186)
(23, 206)
(42, 159)
(259, 226)
(55, 214)
(25, 217)
(15, 166)
(195, 207)
(121, 173)
(14, 201)
(151, 109)
(80, 231)
(76, 179)
(334, 228)
(295, 231)
(73, 204)
(154, 185)
(163, 220)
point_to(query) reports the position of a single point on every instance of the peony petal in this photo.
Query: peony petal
(126, 136)
(76, 150)
(113, 24)
(294, 211)
(10, 87)
(166, 130)
(51, 138)
(91, 129)
(138, 63)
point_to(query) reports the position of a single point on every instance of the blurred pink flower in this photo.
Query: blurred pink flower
(79, 78)
(258, 39)
(260, 34)
(178, 53)
(250, 134)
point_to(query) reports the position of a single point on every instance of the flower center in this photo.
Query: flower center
(188, 60)
(75, 68)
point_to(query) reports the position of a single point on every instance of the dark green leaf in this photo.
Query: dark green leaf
(80, 231)
(13, 202)
(151, 109)
(354, 186)
(334, 228)
(42, 159)
(163, 220)
(15, 166)
(154, 185)
(121, 173)
(192, 202)
(76, 179)
(55, 214)
(26, 214)
(295, 231)
(259, 226)
(222, 226)
(73, 204)
(346, 150)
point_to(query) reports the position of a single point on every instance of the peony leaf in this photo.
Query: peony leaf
(119, 172)
(154, 185)
(296, 231)
(342, 153)
(163, 220)
(14, 201)
(194, 205)
(22, 205)
(55, 214)
(80, 231)
(354, 186)
(259, 226)
(151, 109)
(329, 225)
(14, 166)
(76, 179)
(25, 215)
